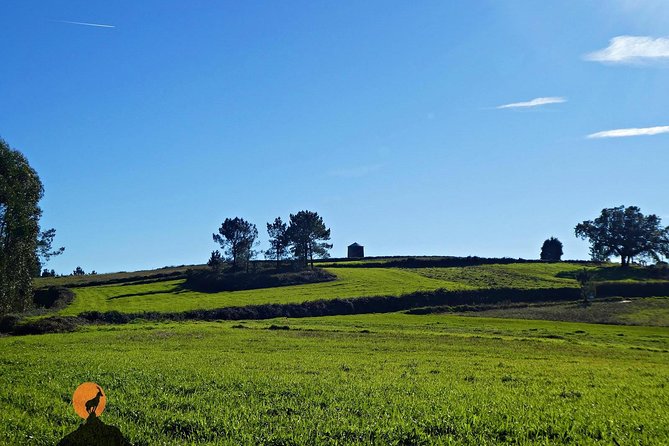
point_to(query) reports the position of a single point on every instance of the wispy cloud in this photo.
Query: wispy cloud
(534, 102)
(99, 25)
(355, 171)
(632, 49)
(621, 133)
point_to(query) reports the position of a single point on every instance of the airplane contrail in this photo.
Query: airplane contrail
(99, 25)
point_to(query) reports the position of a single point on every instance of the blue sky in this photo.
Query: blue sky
(385, 117)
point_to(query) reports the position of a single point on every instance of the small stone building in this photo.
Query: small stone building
(356, 251)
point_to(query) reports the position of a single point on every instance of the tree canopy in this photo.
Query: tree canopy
(626, 233)
(551, 250)
(308, 236)
(278, 240)
(237, 238)
(20, 192)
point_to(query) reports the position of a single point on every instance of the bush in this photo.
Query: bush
(212, 281)
(52, 297)
(8, 322)
(659, 271)
(55, 324)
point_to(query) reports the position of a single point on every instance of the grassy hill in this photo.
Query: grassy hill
(379, 379)
(171, 296)
(160, 294)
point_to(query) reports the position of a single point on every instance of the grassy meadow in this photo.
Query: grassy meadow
(522, 373)
(392, 379)
(170, 295)
(652, 311)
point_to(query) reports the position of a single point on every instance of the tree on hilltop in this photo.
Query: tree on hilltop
(308, 237)
(551, 250)
(626, 233)
(278, 240)
(237, 238)
(78, 271)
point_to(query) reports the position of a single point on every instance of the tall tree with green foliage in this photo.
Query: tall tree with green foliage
(308, 237)
(237, 238)
(626, 233)
(21, 243)
(551, 250)
(278, 240)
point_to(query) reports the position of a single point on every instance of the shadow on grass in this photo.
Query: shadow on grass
(95, 432)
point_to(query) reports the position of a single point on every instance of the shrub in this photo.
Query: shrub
(8, 322)
(55, 324)
(211, 281)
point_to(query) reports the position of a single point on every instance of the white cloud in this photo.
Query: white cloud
(534, 102)
(621, 133)
(632, 49)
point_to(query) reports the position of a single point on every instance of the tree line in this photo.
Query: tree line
(621, 231)
(302, 238)
(25, 247)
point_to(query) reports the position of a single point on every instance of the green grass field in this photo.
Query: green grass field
(653, 311)
(352, 282)
(515, 275)
(169, 296)
(375, 379)
(385, 379)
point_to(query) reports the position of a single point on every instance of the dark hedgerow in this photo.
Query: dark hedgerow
(213, 281)
(8, 322)
(53, 324)
(54, 297)
(440, 262)
(471, 299)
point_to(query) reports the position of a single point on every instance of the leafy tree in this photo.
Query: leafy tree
(625, 232)
(237, 237)
(215, 261)
(78, 271)
(48, 273)
(551, 250)
(278, 240)
(20, 192)
(307, 235)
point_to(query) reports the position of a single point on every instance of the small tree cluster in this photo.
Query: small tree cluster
(78, 271)
(304, 237)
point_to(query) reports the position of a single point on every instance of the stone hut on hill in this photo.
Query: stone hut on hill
(356, 251)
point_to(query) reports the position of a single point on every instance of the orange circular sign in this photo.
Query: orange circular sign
(89, 398)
